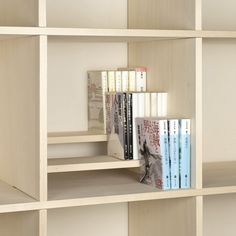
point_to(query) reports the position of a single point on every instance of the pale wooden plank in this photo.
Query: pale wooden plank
(43, 116)
(19, 101)
(75, 137)
(89, 163)
(43, 223)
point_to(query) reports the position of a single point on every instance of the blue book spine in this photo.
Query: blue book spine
(174, 152)
(185, 154)
(164, 148)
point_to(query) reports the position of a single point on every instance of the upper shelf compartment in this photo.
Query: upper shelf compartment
(219, 15)
(121, 14)
(19, 13)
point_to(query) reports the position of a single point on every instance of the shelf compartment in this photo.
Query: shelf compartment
(89, 163)
(219, 174)
(75, 137)
(20, 224)
(100, 187)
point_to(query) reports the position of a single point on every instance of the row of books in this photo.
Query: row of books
(101, 82)
(164, 149)
(121, 111)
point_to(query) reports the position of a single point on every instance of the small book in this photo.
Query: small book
(185, 154)
(97, 88)
(153, 145)
(173, 125)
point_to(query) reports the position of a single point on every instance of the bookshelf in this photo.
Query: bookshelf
(55, 176)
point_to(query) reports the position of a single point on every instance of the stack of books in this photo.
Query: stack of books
(121, 111)
(101, 82)
(164, 150)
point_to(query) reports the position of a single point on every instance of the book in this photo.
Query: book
(111, 81)
(153, 145)
(130, 124)
(147, 105)
(97, 88)
(185, 154)
(125, 80)
(135, 114)
(173, 125)
(118, 81)
(115, 144)
(124, 114)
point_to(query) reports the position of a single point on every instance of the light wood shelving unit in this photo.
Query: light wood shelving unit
(55, 177)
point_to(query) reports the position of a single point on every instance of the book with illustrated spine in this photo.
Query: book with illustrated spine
(97, 88)
(153, 145)
(185, 154)
(174, 152)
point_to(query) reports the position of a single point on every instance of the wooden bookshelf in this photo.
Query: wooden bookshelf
(189, 48)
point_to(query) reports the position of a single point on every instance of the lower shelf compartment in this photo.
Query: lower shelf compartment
(109, 186)
(19, 224)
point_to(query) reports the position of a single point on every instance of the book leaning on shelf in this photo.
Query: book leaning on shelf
(122, 109)
(164, 149)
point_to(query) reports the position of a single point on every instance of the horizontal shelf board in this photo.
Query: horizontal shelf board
(219, 174)
(75, 137)
(94, 34)
(11, 195)
(105, 184)
(88, 163)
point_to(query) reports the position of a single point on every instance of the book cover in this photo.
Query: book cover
(174, 152)
(185, 154)
(97, 87)
(115, 144)
(130, 124)
(152, 138)
(111, 81)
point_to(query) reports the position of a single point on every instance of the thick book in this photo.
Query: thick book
(130, 124)
(116, 142)
(173, 125)
(185, 154)
(97, 88)
(152, 137)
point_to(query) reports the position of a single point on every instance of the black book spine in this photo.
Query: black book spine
(125, 126)
(130, 125)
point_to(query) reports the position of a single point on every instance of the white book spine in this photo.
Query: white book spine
(141, 80)
(132, 80)
(141, 104)
(118, 81)
(111, 81)
(135, 106)
(125, 81)
(154, 107)
(147, 105)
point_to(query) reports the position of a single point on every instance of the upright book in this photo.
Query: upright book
(185, 154)
(173, 125)
(97, 87)
(152, 137)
